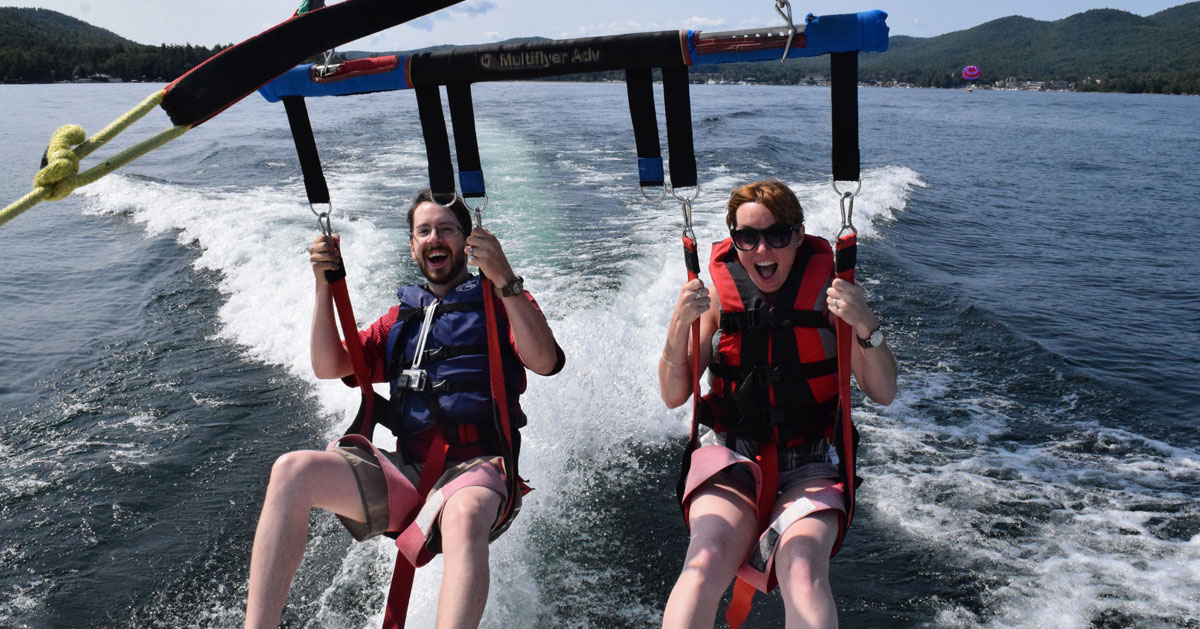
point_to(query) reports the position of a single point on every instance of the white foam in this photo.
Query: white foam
(1067, 532)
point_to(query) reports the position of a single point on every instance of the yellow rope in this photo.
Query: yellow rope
(61, 175)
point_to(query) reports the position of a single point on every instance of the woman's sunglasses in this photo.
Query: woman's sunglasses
(777, 236)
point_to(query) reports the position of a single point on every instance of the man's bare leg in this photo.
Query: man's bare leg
(300, 481)
(465, 524)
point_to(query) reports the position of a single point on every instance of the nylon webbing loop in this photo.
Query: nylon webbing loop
(466, 143)
(306, 149)
(678, 107)
(843, 77)
(437, 143)
(639, 84)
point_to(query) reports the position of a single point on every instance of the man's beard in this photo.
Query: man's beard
(444, 274)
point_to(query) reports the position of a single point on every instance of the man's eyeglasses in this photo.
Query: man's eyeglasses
(445, 230)
(777, 236)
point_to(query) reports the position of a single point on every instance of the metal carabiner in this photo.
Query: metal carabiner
(477, 210)
(686, 206)
(323, 219)
(780, 5)
(847, 211)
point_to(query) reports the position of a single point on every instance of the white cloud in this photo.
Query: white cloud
(702, 23)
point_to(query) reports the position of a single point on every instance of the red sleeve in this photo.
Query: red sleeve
(374, 342)
(502, 314)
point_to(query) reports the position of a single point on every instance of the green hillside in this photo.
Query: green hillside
(1125, 52)
(41, 46)
(1100, 49)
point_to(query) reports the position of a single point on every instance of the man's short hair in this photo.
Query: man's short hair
(458, 207)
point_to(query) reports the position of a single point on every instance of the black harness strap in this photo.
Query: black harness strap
(843, 78)
(437, 143)
(640, 86)
(466, 143)
(678, 106)
(306, 149)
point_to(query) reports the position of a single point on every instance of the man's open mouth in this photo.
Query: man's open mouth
(437, 257)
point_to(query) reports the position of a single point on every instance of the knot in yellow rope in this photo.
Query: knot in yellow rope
(62, 167)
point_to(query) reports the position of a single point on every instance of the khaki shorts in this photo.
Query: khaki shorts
(372, 487)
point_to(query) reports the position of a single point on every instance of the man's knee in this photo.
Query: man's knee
(469, 514)
(291, 470)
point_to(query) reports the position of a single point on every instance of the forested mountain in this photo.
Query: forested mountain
(1101, 49)
(40, 46)
(1123, 51)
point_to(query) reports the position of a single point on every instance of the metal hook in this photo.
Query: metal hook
(687, 219)
(323, 219)
(477, 210)
(847, 210)
(780, 5)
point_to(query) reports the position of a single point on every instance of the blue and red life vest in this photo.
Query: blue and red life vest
(774, 376)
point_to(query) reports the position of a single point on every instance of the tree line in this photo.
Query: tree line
(52, 62)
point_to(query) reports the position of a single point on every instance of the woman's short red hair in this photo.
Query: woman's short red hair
(778, 198)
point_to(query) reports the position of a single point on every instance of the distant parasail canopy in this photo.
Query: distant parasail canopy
(971, 73)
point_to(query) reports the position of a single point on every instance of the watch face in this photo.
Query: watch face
(876, 338)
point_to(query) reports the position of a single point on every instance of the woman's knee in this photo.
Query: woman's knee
(469, 514)
(803, 562)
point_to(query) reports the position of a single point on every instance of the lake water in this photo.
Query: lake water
(1032, 255)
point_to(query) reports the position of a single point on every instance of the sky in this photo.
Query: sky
(210, 22)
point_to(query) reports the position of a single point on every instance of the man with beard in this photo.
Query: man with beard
(431, 348)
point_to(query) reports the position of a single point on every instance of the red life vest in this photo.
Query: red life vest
(775, 373)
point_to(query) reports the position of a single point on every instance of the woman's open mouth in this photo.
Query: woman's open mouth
(766, 270)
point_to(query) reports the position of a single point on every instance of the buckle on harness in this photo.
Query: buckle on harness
(767, 375)
(411, 379)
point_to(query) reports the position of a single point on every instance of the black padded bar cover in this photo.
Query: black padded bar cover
(679, 126)
(227, 77)
(437, 144)
(639, 83)
(306, 149)
(466, 143)
(531, 60)
(843, 74)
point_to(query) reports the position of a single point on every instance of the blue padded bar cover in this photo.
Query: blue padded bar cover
(298, 82)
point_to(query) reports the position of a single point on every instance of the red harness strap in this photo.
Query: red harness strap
(345, 314)
(691, 260)
(846, 254)
(402, 575)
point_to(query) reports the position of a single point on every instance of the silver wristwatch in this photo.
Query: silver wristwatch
(875, 340)
(515, 287)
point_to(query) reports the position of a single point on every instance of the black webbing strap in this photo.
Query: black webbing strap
(843, 75)
(639, 83)
(678, 107)
(466, 144)
(306, 149)
(437, 143)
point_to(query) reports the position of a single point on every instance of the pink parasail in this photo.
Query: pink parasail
(971, 73)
